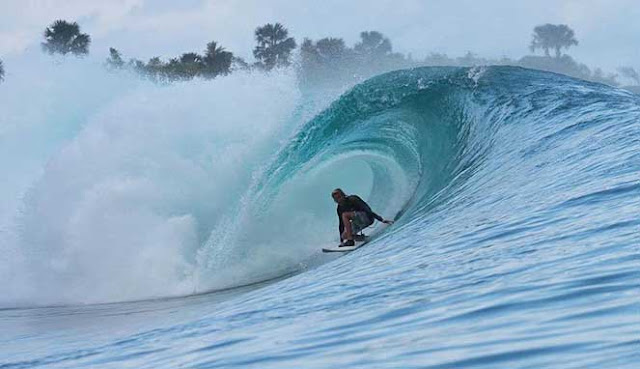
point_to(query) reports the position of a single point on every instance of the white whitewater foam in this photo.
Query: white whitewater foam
(119, 186)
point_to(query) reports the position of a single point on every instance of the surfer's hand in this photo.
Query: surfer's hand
(386, 221)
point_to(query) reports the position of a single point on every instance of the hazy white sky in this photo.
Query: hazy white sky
(608, 30)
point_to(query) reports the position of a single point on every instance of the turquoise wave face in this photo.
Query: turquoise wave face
(398, 117)
(427, 131)
(421, 142)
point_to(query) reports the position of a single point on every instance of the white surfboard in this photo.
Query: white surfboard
(358, 245)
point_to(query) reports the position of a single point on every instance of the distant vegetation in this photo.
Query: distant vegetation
(274, 46)
(273, 50)
(63, 37)
(553, 36)
(214, 62)
(329, 61)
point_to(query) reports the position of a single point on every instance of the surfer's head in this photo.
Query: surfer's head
(338, 195)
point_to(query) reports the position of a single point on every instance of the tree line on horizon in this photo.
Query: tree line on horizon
(325, 61)
(273, 50)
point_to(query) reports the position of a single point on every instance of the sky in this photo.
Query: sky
(608, 30)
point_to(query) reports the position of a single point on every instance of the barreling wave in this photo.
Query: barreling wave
(415, 143)
(422, 135)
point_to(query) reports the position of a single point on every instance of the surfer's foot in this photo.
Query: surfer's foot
(348, 243)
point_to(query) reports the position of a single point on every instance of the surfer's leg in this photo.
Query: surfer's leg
(359, 221)
(346, 220)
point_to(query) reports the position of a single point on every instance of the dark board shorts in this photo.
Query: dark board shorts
(360, 221)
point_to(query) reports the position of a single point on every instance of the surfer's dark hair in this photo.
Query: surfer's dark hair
(338, 190)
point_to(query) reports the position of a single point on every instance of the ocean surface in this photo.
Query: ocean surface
(180, 226)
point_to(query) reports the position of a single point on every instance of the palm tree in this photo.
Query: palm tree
(552, 36)
(327, 52)
(274, 46)
(216, 60)
(173, 69)
(373, 44)
(331, 48)
(63, 37)
(190, 65)
(1, 71)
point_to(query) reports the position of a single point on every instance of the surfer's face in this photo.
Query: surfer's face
(337, 197)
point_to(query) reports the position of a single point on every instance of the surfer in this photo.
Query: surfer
(354, 215)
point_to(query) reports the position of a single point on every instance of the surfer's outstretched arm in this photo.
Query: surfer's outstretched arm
(363, 206)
